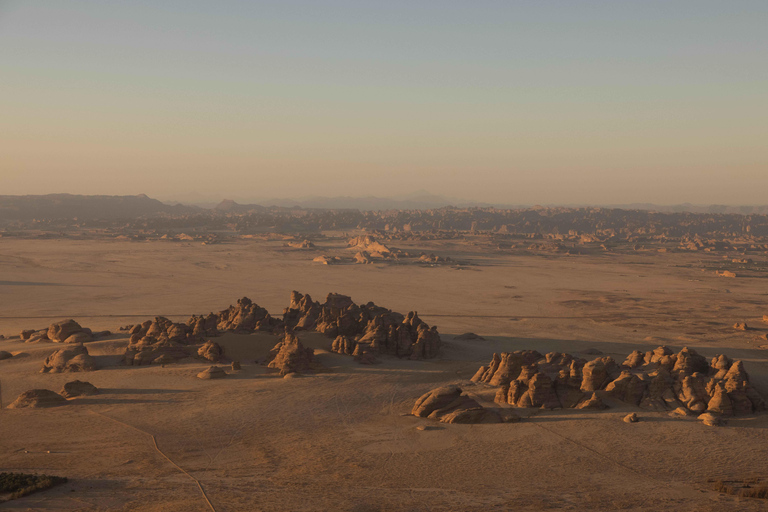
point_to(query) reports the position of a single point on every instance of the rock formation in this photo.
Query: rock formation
(71, 359)
(469, 336)
(380, 330)
(60, 331)
(290, 356)
(211, 351)
(37, 398)
(659, 380)
(5, 355)
(214, 372)
(450, 405)
(78, 388)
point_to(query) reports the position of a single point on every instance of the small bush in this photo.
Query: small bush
(20, 484)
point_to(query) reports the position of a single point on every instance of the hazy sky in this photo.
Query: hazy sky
(503, 101)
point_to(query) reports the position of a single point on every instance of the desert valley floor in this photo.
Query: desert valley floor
(342, 438)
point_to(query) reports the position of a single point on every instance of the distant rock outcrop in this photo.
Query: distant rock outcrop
(37, 398)
(71, 359)
(379, 330)
(659, 380)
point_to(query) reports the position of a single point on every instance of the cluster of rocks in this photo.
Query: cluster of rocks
(41, 398)
(363, 331)
(372, 248)
(659, 380)
(245, 316)
(161, 341)
(363, 328)
(158, 341)
(66, 331)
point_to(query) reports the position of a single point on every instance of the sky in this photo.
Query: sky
(517, 102)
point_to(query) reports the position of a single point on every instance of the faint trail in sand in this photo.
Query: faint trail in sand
(154, 442)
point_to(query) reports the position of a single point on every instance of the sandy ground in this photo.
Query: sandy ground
(339, 440)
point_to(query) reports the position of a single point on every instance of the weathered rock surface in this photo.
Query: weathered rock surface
(78, 388)
(79, 337)
(659, 380)
(379, 330)
(159, 352)
(37, 398)
(5, 355)
(60, 331)
(214, 372)
(290, 356)
(74, 359)
(448, 404)
(211, 351)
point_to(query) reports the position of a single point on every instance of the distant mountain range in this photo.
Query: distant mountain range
(69, 206)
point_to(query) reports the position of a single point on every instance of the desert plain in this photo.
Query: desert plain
(343, 438)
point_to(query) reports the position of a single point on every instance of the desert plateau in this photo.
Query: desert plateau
(246, 375)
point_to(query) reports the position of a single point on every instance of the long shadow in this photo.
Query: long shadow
(116, 401)
(31, 283)
(40, 283)
(140, 391)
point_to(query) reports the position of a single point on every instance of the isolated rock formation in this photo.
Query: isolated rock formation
(290, 356)
(5, 355)
(469, 336)
(214, 372)
(37, 398)
(448, 404)
(78, 388)
(660, 380)
(379, 330)
(71, 359)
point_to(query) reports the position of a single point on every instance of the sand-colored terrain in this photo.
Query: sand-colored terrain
(341, 439)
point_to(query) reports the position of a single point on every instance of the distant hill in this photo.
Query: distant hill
(70, 206)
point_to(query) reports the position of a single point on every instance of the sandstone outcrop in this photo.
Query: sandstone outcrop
(449, 404)
(60, 331)
(660, 380)
(37, 398)
(158, 352)
(214, 372)
(379, 330)
(78, 388)
(290, 356)
(469, 336)
(71, 359)
(211, 351)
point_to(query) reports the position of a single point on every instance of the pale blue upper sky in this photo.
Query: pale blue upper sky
(503, 101)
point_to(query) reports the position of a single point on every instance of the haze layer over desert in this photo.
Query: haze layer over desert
(336, 432)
